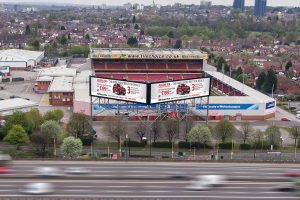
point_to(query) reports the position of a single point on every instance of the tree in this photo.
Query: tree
(69, 36)
(132, 41)
(116, 127)
(133, 19)
(156, 129)
(295, 134)
(188, 124)
(200, 134)
(243, 78)
(260, 81)
(63, 40)
(45, 141)
(246, 131)
(17, 136)
(87, 37)
(136, 26)
(18, 118)
(35, 44)
(273, 136)
(224, 130)
(79, 126)
(141, 130)
(221, 63)
(171, 34)
(288, 65)
(270, 84)
(178, 44)
(27, 30)
(35, 119)
(55, 115)
(172, 128)
(71, 147)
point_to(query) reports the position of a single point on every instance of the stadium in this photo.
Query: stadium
(229, 98)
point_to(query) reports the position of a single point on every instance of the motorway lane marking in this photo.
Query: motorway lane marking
(154, 196)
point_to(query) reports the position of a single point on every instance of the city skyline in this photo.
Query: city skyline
(290, 3)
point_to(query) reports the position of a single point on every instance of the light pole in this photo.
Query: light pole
(296, 150)
(127, 145)
(231, 149)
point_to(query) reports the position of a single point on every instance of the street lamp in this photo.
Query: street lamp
(127, 145)
(281, 140)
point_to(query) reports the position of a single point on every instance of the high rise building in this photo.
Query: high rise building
(260, 8)
(239, 4)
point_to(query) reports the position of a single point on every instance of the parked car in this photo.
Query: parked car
(298, 116)
(183, 89)
(119, 89)
(285, 119)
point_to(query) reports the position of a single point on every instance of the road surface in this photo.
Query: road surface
(150, 180)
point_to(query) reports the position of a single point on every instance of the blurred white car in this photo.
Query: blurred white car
(76, 170)
(38, 188)
(206, 182)
(49, 172)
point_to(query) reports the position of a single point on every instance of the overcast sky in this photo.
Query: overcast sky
(162, 2)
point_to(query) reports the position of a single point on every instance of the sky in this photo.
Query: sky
(162, 2)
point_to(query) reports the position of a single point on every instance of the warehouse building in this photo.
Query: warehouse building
(19, 59)
(9, 106)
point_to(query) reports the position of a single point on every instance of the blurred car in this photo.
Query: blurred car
(285, 119)
(38, 188)
(76, 170)
(292, 174)
(5, 161)
(4, 170)
(207, 182)
(298, 116)
(284, 188)
(49, 172)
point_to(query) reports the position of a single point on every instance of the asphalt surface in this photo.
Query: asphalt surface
(150, 180)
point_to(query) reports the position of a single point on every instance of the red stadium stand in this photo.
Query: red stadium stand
(174, 77)
(136, 66)
(190, 76)
(177, 66)
(116, 66)
(137, 77)
(157, 66)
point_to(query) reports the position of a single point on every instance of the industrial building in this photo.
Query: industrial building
(19, 59)
(9, 106)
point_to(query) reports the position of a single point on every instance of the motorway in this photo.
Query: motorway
(150, 180)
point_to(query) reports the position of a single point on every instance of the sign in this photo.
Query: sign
(119, 90)
(4, 71)
(179, 90)
(270, 105)
(150, 56)
(228, 107)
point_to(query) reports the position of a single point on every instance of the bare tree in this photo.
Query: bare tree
(116, 127)
(172, 128)
(188, 125)
(246, 131)
(156, 129)
(141, 130)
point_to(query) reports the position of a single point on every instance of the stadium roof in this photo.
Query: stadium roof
(19, 55)
(148, 54)
(240, 86)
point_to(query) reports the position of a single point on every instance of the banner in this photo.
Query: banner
(119, 90)
(228, 107)
(150, 56)
(179, 90)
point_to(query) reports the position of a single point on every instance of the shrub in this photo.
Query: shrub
(187, 145)
(245, 146)
(226, 145)
(162, 144)
(165, 156)
(141, 156)
(133, 143)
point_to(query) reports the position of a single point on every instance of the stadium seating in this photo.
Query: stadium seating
(177, 66)
(136, 66)
(175, 77)
(137, 77)
(189, 76)
(115, 66)
(157, 66)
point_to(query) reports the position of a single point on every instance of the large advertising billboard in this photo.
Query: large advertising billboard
(4, 71)
(179, 90)
(119, 90)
